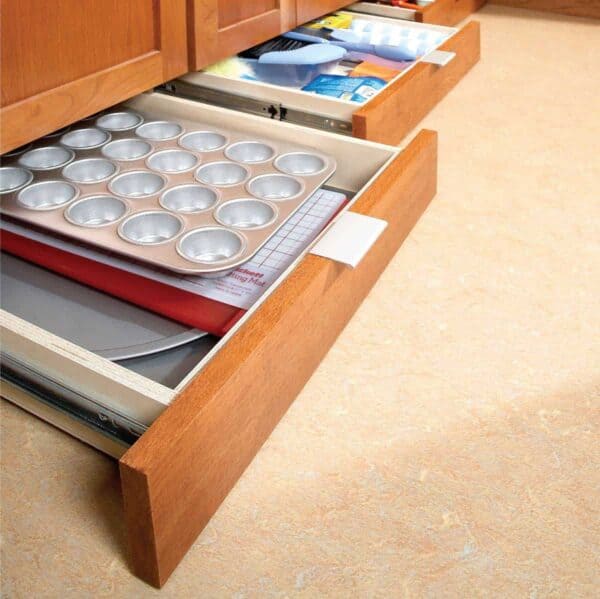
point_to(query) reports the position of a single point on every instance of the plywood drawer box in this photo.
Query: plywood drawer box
(440, 12)
(201, 434)
(387, 118)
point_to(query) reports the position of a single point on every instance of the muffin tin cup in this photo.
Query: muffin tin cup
(137, 184)
(300, 164)
(222, 174)
(172, 161)
(246, 213)
(46, 158)
(96, 211)
(203, 141)
(90, 171)
(275, 187)
(250, 152)
(127, 150)
(85, 139)
(124, 120)
(159, 130)
(151, 228)
(211, 245)
(47, 195)
(179, 196)
(189, 199)
(14, 178)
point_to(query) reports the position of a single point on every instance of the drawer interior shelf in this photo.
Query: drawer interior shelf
(288, 103)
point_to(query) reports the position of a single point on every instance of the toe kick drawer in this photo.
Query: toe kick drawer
(387, 117)
(199, 436)
(439, 12)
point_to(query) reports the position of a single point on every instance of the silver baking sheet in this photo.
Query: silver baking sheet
(93, 320)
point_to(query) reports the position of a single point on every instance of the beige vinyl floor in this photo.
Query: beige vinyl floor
(448, 445)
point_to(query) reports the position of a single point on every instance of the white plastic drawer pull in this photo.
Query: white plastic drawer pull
(349, 238)
(439, 57)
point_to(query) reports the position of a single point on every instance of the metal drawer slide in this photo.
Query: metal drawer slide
(270, 110)
(117, 427)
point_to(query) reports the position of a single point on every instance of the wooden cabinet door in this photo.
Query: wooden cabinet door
(311, 9)
(222, 28)
(62, 61)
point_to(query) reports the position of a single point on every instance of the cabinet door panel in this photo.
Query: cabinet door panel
(220, 28)
(65, 60)
(311, 9)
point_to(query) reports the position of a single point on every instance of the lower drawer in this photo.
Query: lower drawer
(440, 12)
(203, 432)
(386, 118)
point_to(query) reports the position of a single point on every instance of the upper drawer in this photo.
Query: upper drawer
(63, 61)
(441, 12)
(386, 118)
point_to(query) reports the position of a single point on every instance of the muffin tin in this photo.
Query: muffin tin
(178, 195)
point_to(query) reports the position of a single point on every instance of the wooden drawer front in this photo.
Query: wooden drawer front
(63, 61)
(439, 12)
(311, 9)
(220, 28)
(397, 109)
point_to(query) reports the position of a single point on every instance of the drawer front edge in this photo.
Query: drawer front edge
(176, 476)
(449, 12)
(394, 112)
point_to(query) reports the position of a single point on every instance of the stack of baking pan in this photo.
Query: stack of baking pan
(175, 195)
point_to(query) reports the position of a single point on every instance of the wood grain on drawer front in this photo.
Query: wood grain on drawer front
(398, 108)
(62, 61)
(218, 29)
(448, 12)
(176, 476)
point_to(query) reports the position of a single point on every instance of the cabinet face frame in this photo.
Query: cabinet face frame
(209, 42)
(52, 109)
